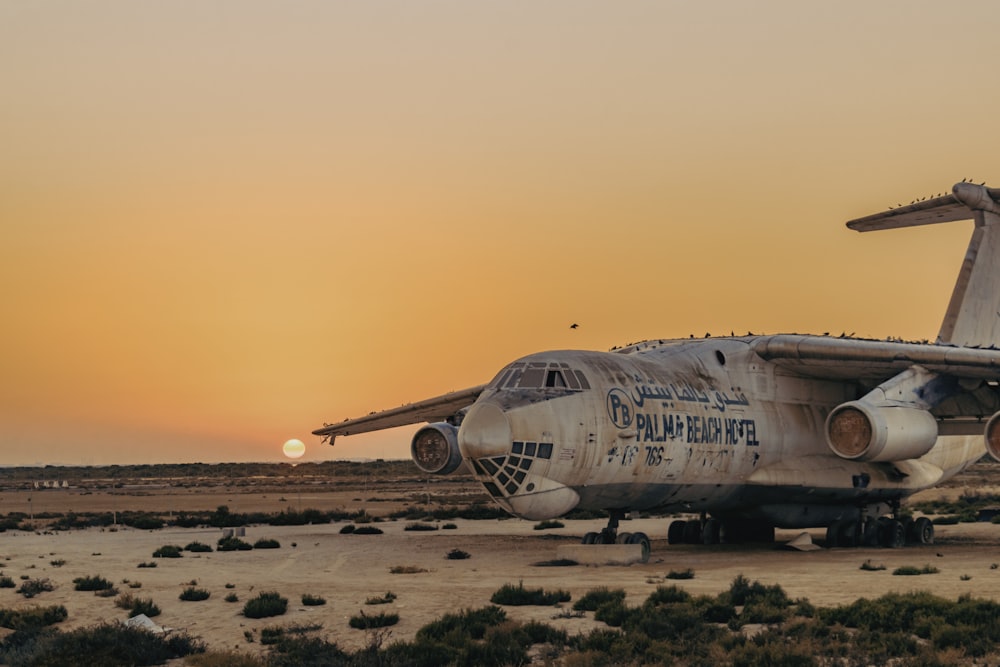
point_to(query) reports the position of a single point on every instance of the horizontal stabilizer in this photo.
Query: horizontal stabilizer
(959, 205)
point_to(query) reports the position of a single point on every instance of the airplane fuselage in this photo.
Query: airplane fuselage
(702, 425)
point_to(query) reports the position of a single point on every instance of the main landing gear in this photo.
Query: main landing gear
(719, 531)
(880, 531)
(610, 535)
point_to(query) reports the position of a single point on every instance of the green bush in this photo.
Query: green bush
(266, 543)
(312, 600)
(471, 623)
(168, 551)
(232, 544)
(420, 527)
(348, 529)
(105, 644)
(511, 595)
(593, 599)
(95, 583)
(680, 574)
(198, 547)
(192, 594)
(7, 582)
(911, 571)
(232, 597)
(32, 617)
(265, 605)
(457, 554)
(31, 587)
(149, 564)
(363, 621)
(367, 530)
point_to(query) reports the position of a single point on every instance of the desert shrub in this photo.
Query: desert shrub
(95, 583)
(457, 554)
(232, 544)
(556, 562)
(549, 523)
(420, 527)
(224, 659)
(312, 600)
(869, 566)
(613, 612)
(668, 595)
(348, 529)
(32, 617)
(300, 651)
(136, 605)
(680, 574)
(198, 547)
(385, 599)
(266, 543)
(58, 562)
(593, 599)
(232, 597)
(265, 605)
(31, 587)
(744, 592)
(367, 530)
(911, 571)
(148, 564)
(143, 521)
(509, 594)
(192, 594)
(7, 582)
(363, 621)
(168, 551)
(471, 623)
(107, 644)
(449, 526)
(406, 569)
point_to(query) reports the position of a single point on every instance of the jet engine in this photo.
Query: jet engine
(863, 432)
(434, 448)
(992, 435)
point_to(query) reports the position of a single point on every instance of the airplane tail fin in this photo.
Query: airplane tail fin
(973, 315)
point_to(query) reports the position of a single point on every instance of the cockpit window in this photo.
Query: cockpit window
(539, 375)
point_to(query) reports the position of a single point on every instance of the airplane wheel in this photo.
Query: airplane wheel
(590, 538)
(692, 532)
(711, 533)
(833, 534)
(870, 536)
(675, 532)
(922, 531)
(848, 536)
(643, 540)
(623, 538)
(893, 534)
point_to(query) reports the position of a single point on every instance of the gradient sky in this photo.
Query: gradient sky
(226, 223)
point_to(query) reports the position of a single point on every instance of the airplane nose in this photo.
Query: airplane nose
(485, 432)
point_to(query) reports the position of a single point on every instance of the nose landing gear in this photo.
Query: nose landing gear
(610, 535)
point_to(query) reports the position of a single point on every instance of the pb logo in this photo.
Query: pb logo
(620, 408)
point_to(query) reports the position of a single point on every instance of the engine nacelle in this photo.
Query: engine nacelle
(434, 449)
(862, 432)
(992, 435)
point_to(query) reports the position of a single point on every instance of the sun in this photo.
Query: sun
(294, 448)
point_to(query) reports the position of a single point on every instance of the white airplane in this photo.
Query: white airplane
(750, 432)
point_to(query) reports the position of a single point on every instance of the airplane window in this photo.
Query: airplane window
(492, 489)
(525, 464)
(555, 379)
(532, 378)
(583, 380)
(489, 466)
(479, 468)
(571, 380)
(503, 478)
(519, 476)
(511, 488)
(517, 448)
(545, 450)
(514, 379)
(514, 460)
(529, 449)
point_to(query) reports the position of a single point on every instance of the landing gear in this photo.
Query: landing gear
(719, 531)
(610, 535)
(884, 531)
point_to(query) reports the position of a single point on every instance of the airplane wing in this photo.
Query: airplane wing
(439, 408)
(975, 371)
(846, 358)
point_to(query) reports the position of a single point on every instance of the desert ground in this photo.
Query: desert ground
(348, 569)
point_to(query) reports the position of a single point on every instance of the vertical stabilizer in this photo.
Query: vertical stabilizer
(973, 315)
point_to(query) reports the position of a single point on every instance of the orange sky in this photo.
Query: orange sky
(226, 223)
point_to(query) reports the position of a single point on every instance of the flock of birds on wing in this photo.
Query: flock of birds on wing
(917, 201)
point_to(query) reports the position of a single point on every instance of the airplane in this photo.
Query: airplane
(749, 433)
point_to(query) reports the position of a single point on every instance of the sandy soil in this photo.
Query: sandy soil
(348, 569)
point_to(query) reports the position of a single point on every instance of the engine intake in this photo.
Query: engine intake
(992, 435)
(434, 449)
(862, 432)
